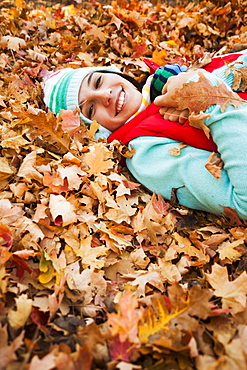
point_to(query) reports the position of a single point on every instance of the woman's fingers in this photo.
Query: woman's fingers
(174, 115)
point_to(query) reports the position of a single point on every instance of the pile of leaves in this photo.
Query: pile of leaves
(95, 271)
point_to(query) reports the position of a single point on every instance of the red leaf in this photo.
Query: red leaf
(121, 351)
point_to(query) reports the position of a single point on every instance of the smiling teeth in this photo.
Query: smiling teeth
(120, 101)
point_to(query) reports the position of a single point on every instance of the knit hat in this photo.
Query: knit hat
(61, 89)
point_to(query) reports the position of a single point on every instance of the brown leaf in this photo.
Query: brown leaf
(233, 293)
(196, 120)
(214, 165)
(239, 77)
(98, 159)
(200, 95)
(47, 125)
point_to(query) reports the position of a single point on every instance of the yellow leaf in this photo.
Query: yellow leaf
(18, 318)
(93, 128)
(157, 318)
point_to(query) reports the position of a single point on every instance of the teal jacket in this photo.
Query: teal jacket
(158, 170)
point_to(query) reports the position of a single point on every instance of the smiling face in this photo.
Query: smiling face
(109, 99)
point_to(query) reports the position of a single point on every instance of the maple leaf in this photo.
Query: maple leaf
(142, 278)
(200, 95)
(227, 250)
(62, 211)
(91, 257)
(214, 165)
(70, 120)
(124, 323)
(98, 159)
(121, 350)
(47, 362)
(5, 169)
(233, 293)
(27, 169)
(6, 235)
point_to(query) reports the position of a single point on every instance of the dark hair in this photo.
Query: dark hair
(138, 85)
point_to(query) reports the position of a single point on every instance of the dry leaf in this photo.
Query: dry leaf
(233, 293)
(196, 120)
(200, 95)
(214, 165)
(17, 318)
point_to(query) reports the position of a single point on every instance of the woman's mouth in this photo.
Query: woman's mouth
(120, 101)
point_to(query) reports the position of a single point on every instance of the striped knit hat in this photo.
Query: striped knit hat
(61, 89)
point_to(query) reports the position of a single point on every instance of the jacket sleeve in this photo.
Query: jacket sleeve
(160, 171)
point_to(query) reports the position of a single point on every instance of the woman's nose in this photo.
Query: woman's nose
(105, 96)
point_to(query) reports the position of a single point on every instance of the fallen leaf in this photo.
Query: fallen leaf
(233, 293)
(196, 120)
(17, 318)
(214, 165)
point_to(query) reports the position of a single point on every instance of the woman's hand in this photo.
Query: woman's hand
(174, 115)
(174, 83)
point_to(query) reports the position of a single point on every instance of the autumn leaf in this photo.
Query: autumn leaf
(214, 165)
(62, 210)
(13, 43)
(196, 120)
(98, 159)
(124, 323)
(233, 293)
(47, 125)
(200, 95)
(157, 317)
(239, 77)
(8, 351)
(17, 318)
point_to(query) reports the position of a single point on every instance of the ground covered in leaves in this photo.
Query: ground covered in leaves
(95, 271)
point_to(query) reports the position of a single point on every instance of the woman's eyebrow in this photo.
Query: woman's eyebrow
(88, 83)
(89, 78)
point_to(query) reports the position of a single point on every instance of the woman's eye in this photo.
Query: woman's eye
(90, 111)
(97, 83)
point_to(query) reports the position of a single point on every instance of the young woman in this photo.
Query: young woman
(112, 100)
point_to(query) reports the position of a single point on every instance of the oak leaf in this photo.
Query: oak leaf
(200, 95)
(54, 137)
